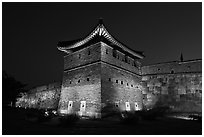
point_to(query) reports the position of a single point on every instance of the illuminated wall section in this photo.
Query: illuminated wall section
(174, 84)
(81, 86)
(42, 97)
(120, 89)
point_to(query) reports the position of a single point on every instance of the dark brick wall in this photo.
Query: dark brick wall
(119, 86)
(119, 60)
(85, 86)
(83, 56)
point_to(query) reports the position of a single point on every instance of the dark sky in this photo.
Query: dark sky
(31, 32)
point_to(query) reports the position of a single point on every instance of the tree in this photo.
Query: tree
(10, 88)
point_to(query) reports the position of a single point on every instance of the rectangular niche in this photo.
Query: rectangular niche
(83, 106)
(70, 105)
(127, 106)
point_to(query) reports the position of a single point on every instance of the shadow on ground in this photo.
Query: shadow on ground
(15, 123)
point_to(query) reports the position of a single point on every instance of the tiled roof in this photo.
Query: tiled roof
(99, 33)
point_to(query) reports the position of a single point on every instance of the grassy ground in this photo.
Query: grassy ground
(14, 123)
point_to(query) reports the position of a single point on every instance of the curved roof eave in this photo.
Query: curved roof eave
(101, 31)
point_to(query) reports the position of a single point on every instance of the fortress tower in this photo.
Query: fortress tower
(101, 75)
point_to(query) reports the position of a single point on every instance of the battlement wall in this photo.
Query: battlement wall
(193, 66)
(82, 57)
(42, 97)
(180, 89)
(119, 59)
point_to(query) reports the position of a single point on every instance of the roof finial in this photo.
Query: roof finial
(100, 20)
(181, 57)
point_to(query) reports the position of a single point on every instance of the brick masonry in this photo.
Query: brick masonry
(82, 84)
(82, 57)
(174, 84)
(118, 87)
(42, 97)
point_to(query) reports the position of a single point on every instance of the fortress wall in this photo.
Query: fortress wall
(82, 84)
(119, 86)
(119, 59)
(83, 56)
(42, 97)
(181, 90)
(173, 67)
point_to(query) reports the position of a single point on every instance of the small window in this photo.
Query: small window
(131, 85)
(172, 71)
(114, 53)
(78, 81)
(121, 82)
(116, 81)
(189, 67)
(127, 84)
(118, 57)
(126, 59)
(106, 51)
(117, 104)
(70, 82)
(134, 64)
(89, 52)
(87, 79)
(158, 69)
(79, 56)
(109, 79)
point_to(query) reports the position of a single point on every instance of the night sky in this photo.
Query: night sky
(31, 32)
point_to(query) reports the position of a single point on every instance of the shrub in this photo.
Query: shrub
(196, 117)
(68, 119)
(154, 113)
(44, 116)
(130, 117)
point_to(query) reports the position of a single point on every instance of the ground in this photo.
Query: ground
(14, 123)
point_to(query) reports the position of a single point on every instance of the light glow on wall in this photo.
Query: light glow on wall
(63, 111)
(44, 99)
